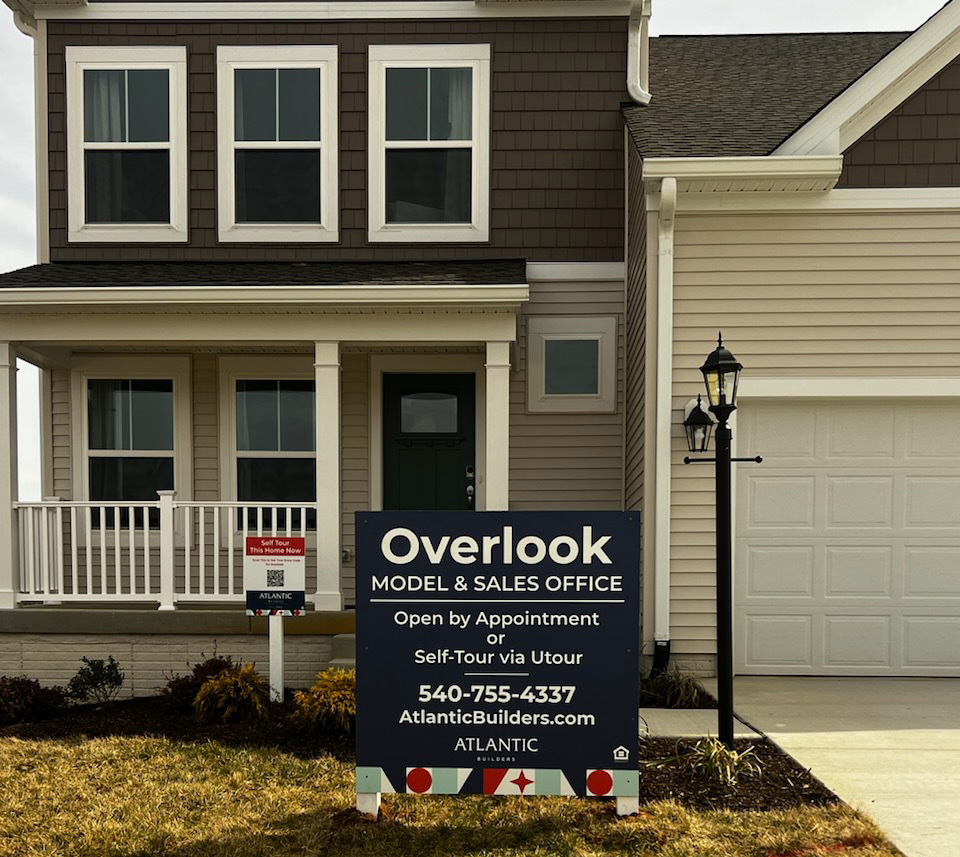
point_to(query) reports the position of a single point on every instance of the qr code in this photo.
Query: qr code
(274, 577)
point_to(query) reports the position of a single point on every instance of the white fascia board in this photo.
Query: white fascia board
(882, 89)
(839, 200)
(870, 387)
(494, 296)
(764, 173)
(337, 11)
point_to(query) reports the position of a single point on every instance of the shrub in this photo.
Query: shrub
(182, 690)
(99, 680)
(238, 693)
(24, 699)
(329, 706)
(673, 689)
(712, 759)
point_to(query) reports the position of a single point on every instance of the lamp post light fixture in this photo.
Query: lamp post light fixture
(721, 373)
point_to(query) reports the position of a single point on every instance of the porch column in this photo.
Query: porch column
(498, 426)
(327, 368)
(8, 475)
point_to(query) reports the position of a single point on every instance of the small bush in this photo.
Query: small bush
(99, 680)
(712, 759)
(673, 689)
(235, 694)
(24, 699)
(329, 706)
(182, 690)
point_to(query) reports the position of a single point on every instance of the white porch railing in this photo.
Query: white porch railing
(163, 552)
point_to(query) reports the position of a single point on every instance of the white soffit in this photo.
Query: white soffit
(747, 175)
(882, 89)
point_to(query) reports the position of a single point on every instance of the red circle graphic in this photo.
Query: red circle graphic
(599, 783)
(419, 780)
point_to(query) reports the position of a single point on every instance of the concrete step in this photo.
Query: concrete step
(344, 651)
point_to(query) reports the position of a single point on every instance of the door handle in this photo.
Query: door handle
(470, 492)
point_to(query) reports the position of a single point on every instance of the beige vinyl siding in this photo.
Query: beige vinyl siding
(635, 335)
(566, 461)
(206, 429)
(355, 457)
(797, 295)
(60, 429)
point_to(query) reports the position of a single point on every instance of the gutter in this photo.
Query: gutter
(638, 51)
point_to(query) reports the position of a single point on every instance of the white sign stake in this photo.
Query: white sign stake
(276, 657)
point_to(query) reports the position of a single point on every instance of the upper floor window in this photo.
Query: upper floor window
(126, 143)
(429, 142)
(277, 143)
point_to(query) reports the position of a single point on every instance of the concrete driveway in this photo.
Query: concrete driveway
(888, 746)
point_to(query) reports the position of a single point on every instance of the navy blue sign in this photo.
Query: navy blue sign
(497, 653)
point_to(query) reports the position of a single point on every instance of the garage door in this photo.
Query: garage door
(847, 556)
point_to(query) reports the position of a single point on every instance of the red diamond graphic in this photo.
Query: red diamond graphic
(522, 782)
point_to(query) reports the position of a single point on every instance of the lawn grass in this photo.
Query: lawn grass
(154, 797)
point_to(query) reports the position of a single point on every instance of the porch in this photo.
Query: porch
(95, 541)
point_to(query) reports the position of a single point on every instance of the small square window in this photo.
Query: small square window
(571, 364)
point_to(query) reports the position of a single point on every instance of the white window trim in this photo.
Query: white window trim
(382, 57)
(174, 60)
(246, 368)
(323, 57)
(543, 328)
(127, 367)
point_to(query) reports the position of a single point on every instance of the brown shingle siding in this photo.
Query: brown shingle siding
(556, 134)
(916, 145)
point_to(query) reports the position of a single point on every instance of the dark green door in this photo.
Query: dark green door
(429, 433)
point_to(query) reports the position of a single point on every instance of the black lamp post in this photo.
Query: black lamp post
(721, 372)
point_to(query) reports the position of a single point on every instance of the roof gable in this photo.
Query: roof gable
(903, 71)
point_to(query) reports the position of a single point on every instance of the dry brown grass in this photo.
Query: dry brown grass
(151, 797)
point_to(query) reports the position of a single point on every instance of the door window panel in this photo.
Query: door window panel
(428, 413)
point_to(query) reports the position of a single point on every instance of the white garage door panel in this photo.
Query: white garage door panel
(848, 539)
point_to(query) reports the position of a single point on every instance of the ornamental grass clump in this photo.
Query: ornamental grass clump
(181, 690)
(233, 695)
(673, 689)
(330, 706)
(712, 759)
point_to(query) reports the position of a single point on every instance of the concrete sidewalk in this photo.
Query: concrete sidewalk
(888, 746)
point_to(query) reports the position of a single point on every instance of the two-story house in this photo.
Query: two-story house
(303, 259)
(299, 260)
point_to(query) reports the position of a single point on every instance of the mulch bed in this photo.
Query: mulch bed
(783, 783)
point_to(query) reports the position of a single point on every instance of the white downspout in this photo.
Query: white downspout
(664, 410)
(638, 51)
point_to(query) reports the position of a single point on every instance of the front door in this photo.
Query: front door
(429, 433)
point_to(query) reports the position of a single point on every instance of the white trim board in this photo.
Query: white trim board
(336, 11)
(882, 89)
(859, 200)
(747, 174)
(849, 388)
(585, 272)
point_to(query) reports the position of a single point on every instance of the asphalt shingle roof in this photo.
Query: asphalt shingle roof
(719, 96)
(231, 274)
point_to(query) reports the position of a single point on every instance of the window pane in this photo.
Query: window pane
(406, 104)
(278, 186)
(257, 404)
(451, 103)
(108, 414)
(255, 103)
(299, 104)
(148, 104)
(104, 106)
(428, 413)
(429, 185)
(297, 432)
(127, 186)
(151, 406)
(571, 366)
(130, 479)
(265, 480)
